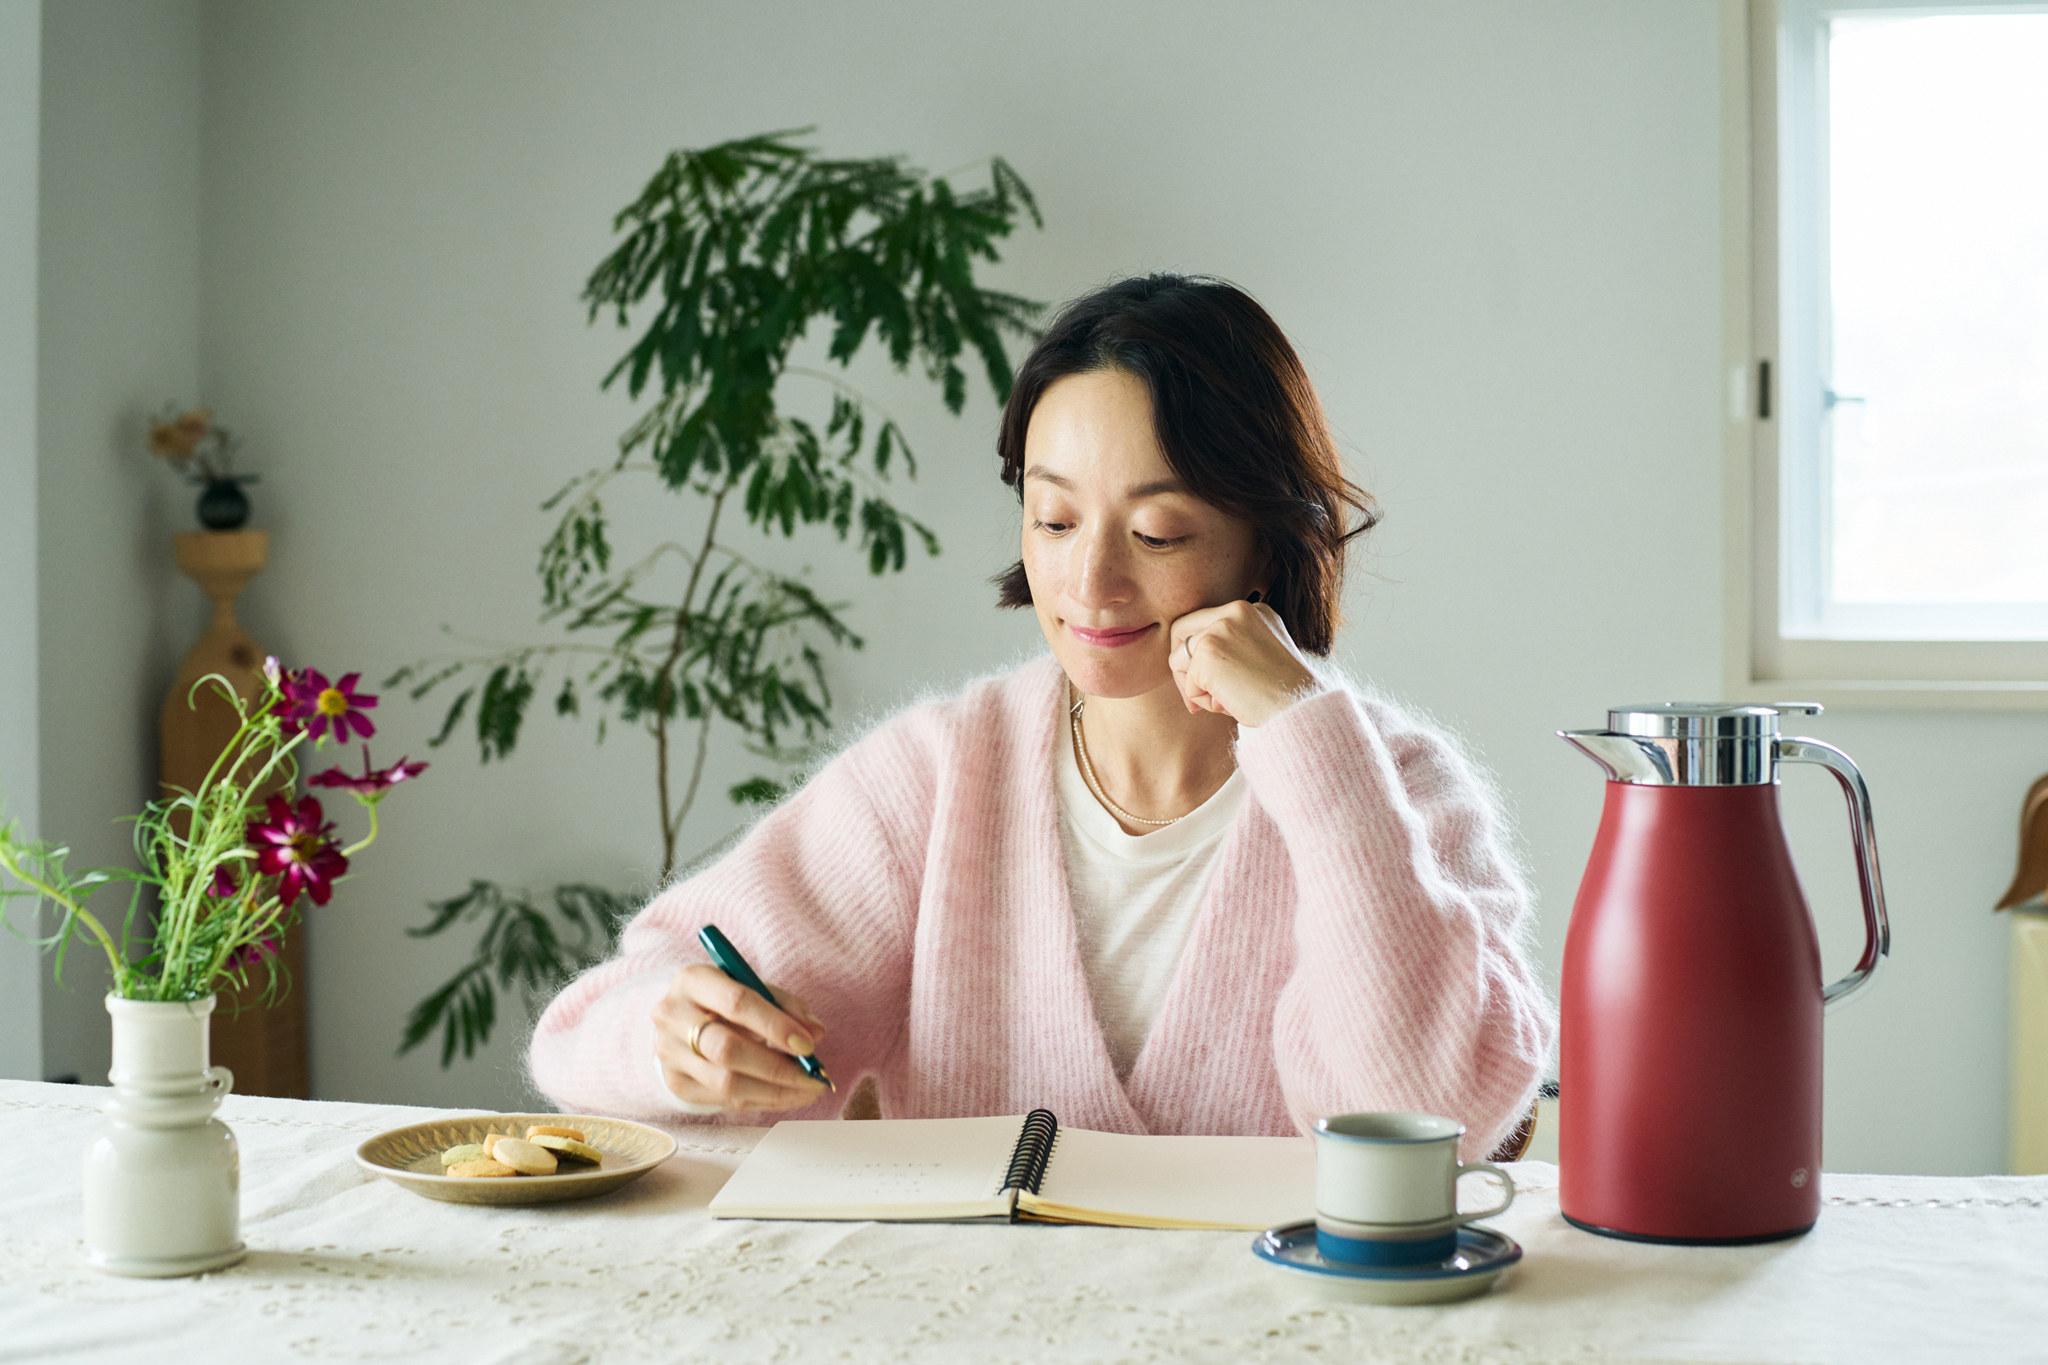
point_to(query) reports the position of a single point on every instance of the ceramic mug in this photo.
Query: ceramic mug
(1387, 1188)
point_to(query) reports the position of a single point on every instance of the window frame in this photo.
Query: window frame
(1770, 343)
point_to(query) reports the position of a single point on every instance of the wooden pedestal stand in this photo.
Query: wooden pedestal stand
(2027, 1096)
(265, 1048)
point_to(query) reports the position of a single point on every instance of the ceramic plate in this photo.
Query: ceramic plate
(1481, 1256)
(411, 1156)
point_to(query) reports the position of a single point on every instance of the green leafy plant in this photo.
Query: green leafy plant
(521, 946)
(736, 251)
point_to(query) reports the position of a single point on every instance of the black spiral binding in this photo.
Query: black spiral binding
(1033, 1150)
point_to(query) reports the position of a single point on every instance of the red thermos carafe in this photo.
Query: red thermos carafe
(1689, 1068)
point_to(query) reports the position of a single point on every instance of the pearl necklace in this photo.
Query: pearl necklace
(1087, 771)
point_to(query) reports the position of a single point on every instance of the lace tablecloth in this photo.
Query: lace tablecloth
(344, 1267)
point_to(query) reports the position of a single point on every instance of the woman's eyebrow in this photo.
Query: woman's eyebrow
(1143, 490)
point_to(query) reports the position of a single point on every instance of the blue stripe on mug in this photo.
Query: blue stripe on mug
(1386, 1251)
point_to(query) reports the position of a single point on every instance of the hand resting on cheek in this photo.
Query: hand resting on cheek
(1238, 660)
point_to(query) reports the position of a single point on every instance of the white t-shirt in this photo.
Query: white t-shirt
(1135, 897)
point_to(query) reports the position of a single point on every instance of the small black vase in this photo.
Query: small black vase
(223, 506)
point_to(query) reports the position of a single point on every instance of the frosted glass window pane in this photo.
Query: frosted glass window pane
(1938, 254)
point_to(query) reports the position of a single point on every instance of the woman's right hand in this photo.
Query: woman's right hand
(743, 1060)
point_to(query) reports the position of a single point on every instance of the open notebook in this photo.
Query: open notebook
(1006, 1169)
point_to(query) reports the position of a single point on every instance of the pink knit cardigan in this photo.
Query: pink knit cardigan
(1360, 946)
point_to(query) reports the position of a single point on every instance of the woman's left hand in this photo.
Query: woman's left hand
(1238, 660)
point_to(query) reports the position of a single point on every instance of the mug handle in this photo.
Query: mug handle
(1485, 1168)
(219, 1080)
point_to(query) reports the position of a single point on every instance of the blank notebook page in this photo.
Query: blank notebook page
(876, 1168)
(1232, 1182)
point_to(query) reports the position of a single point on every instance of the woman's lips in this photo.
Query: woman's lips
(1111, 639)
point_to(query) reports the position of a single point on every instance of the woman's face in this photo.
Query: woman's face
(1114, 548)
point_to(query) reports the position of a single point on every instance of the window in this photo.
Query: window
(1897, 375)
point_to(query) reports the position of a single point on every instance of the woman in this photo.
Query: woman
(1167, 879)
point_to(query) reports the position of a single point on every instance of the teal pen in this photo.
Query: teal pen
(728, 960)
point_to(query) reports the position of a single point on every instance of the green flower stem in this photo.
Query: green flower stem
(181, 873)
(219, 810)
(79, 912)
(369, 805)
(268, 915)
(234, 746)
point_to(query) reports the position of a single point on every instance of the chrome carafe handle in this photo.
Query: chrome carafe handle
(1877, 931)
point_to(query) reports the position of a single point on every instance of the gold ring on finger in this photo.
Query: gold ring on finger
(697, 1033)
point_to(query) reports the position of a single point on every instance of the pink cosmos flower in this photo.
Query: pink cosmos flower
(255, 954)
(312, 704)
(374, 782)
(298, 848)
(223, 882)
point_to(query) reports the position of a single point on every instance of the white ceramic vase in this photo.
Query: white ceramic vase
(163, 1177)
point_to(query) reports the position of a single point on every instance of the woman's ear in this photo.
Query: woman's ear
(1262, 573)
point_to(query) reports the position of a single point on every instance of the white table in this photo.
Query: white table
(343, 1267)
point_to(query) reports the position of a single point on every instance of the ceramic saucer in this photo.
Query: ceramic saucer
(411, 1156)
(1481, 1256)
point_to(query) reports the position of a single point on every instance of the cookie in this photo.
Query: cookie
(572, 1149)
(491, 1141)
(472, 1170)
(534, 1130)
(468, 1151)
(523, 1156)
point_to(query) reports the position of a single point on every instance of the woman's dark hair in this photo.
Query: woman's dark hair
(1236, 416)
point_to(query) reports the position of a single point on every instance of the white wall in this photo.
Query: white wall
(20, 83)
(1491, 227)
(119, 337)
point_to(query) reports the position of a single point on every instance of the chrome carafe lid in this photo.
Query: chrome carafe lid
(1688, 744)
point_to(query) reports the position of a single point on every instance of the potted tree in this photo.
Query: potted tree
(729, 256)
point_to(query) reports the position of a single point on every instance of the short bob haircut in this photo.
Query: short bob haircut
(1239, 423)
